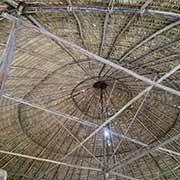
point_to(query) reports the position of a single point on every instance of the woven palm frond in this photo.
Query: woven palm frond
(78, 99)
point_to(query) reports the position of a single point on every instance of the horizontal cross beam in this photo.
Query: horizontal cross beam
(40, 8)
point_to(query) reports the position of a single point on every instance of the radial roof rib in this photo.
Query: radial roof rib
(149, 38)
(126, 106)
(96, 57)
(121, 32)
(43, 108)
(63, 116)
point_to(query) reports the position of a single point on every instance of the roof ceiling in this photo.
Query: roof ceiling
(55, 96)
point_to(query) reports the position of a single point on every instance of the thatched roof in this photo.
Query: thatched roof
(93, 110)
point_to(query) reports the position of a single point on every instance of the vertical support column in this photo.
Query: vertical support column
(3, 174)
(8, 54)
(106, 176)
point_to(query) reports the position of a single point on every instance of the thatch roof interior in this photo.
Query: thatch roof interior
(54, 97)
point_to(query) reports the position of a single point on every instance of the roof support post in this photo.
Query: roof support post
(3, 174)
(8, 54)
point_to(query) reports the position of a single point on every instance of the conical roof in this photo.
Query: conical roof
(90, 89)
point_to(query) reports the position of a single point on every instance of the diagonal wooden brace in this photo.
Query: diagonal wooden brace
(8, 55)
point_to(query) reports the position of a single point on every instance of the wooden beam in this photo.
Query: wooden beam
(49, 161)
(96, 57)
(99, 9)
(142, 93)
(149, 149)
(70, 44)
(62, 163)
(8, 55)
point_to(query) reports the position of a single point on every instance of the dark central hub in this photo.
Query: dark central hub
(100, 85)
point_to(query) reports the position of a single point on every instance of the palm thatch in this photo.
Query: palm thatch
(89, 89)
